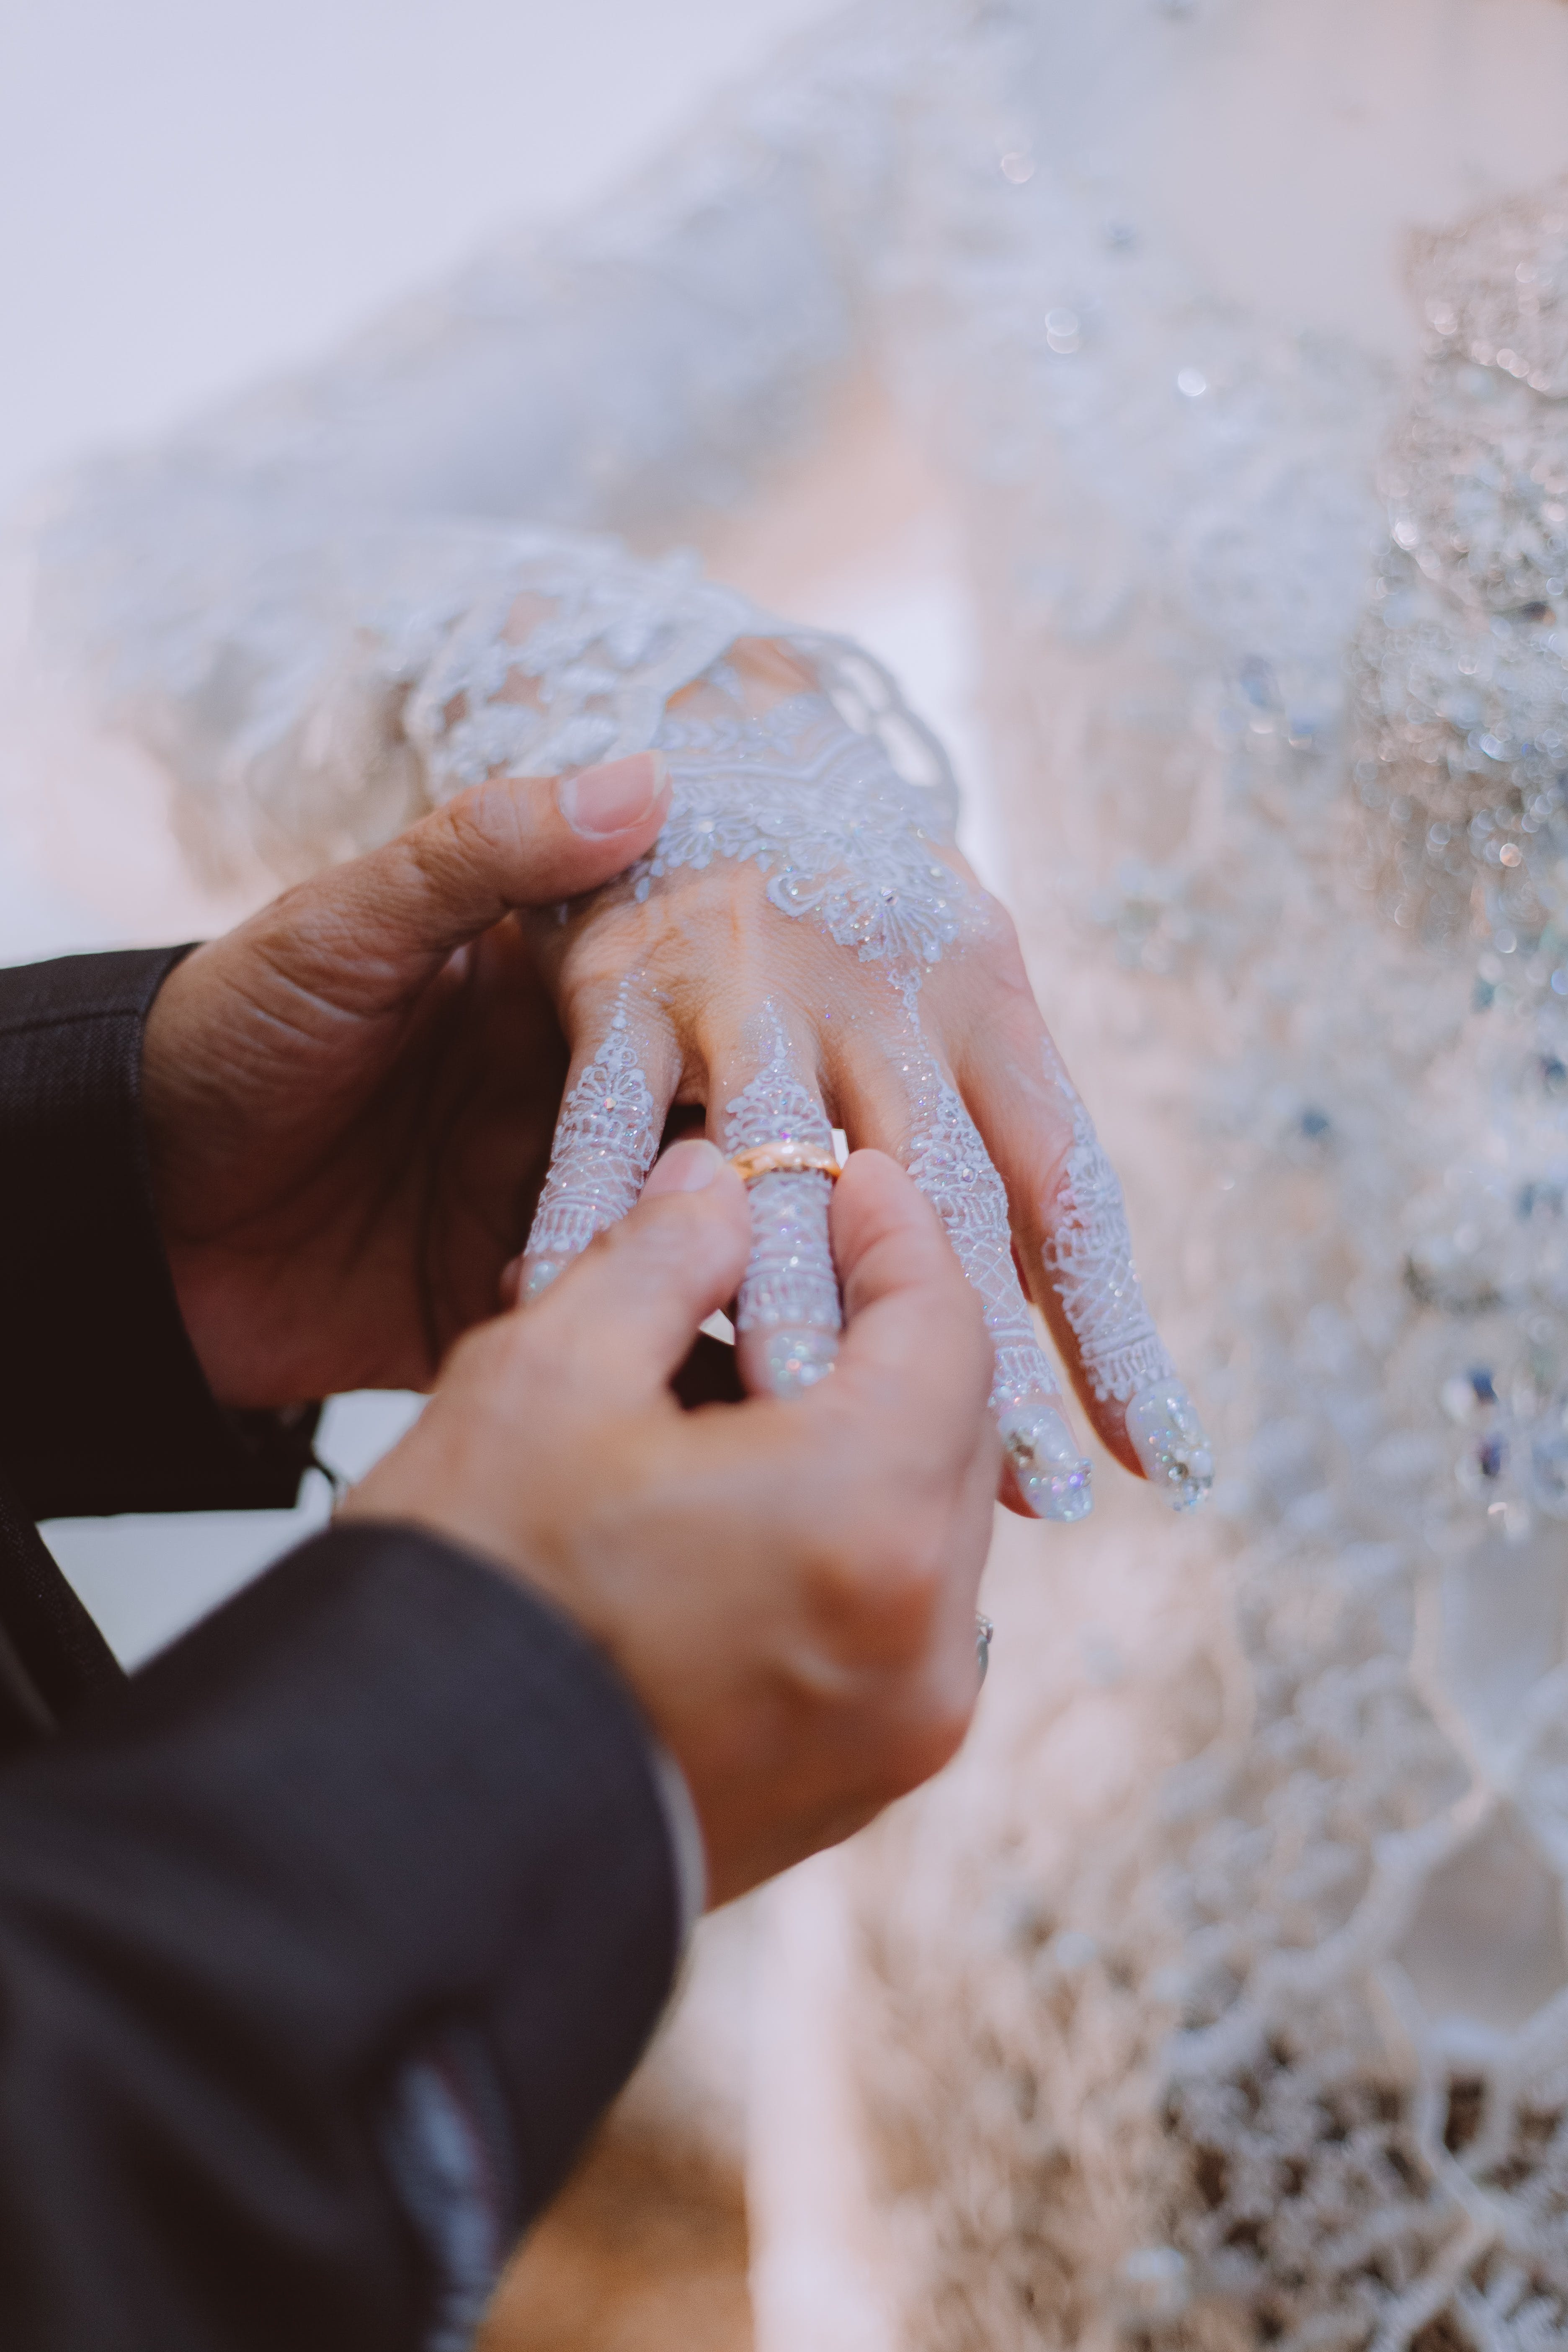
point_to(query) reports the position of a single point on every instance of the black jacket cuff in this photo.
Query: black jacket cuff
(382, 1791)
(103, 1404)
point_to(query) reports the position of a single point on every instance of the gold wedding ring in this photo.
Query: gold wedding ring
(759, 1159)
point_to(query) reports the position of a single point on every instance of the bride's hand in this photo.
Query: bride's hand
(802, 952)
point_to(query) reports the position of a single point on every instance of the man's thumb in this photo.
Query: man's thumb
(525, 841)
(515, 841)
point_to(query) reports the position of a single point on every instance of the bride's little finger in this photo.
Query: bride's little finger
(1076, 1244)
(908, 1106)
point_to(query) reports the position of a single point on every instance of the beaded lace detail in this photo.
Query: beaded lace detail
(566, 658)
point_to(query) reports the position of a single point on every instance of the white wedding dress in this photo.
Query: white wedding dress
(1219, 1993)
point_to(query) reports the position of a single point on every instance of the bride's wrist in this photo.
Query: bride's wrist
(765, 672)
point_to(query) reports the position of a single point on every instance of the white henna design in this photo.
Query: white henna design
(951, 1165)
(1089, 1254)
(823, 812)
(1088, 1251)
(605, 1141)
(790, 1290)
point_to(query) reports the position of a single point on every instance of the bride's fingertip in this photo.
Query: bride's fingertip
(1053, 1479)
(1172, 1448)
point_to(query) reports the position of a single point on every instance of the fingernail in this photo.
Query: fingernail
(608, 799)
(685, 1168)
(796, 1361)
(1053, 1476)
(538, 1274)
(1169, 1441)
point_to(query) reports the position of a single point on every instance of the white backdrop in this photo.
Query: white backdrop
(194, 192)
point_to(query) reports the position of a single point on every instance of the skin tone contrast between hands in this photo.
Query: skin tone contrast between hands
(371, 1103)
(788, 1587)
(895, 1007)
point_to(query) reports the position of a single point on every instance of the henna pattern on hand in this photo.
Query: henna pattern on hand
(790, 1289)
(605, 1142)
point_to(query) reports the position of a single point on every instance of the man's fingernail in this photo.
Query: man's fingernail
(685, 1168)
(608, 799)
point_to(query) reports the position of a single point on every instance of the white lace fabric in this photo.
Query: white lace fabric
(1256, 2058)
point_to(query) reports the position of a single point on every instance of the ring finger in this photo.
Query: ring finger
(762, 1094)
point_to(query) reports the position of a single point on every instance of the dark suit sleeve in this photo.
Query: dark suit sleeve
(323, 1943)
(103, 1405)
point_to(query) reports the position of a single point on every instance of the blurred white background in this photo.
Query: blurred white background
(194, 193)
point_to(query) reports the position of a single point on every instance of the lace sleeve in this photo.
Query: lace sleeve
(337, 599)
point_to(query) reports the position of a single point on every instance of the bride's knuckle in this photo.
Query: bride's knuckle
(996, 932)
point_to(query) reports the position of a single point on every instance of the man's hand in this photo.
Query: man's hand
(350, 1098)
(788, 1587)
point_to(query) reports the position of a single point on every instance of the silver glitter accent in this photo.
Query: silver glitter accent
(1053, 1477)
(796, 1361)
(1169, 1440)
(1459, 668)
(952, 1168)
(1089, 1255)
